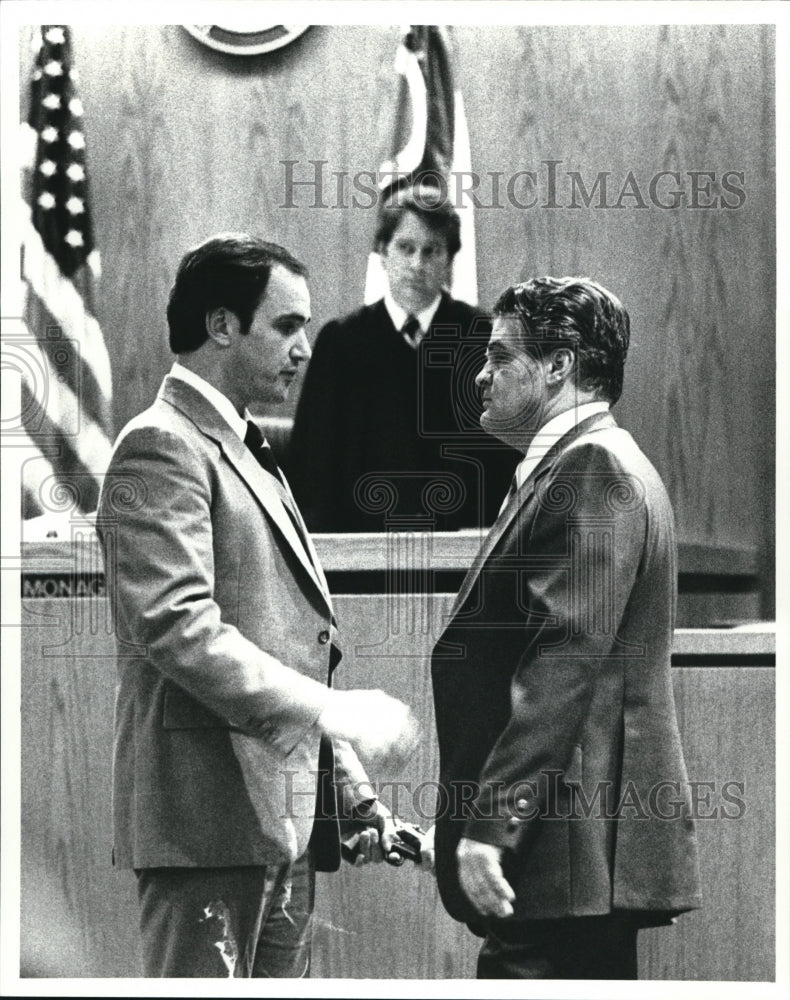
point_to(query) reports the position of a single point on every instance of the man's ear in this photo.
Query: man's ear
(222, 326)
(561, 365)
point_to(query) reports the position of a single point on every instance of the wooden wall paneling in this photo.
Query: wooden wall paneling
(124, 82)
(726, 716)
(756, 315)
(340, 120)
(336, 113)
(78, 915)
(383, 921)
(702, 412)
(766, 388)
(185, 142)
(716, 610)
(646, 99)
(692, 297)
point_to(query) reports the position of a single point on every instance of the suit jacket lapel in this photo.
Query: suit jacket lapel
(521, 497)
(264, 486)
(442, 310)
(380, 320)
(308, 541)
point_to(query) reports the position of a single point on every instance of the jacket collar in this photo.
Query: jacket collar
(264, 487)
(379, 309)
(399, 315)
(598, 421)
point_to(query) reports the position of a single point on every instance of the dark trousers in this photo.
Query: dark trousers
(227, 922)
(601, 947)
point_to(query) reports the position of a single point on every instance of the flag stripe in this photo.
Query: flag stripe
(411, 125)
(70, 472)
(440, 139)
(36, 471)
(67, 359)
(465, 263)
(58, 406)
(68, 392)
(67, 308)
(28, 147)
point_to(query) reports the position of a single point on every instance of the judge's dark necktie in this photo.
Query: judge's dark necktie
(411, 330)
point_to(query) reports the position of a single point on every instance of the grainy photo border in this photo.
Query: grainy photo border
(13, 14)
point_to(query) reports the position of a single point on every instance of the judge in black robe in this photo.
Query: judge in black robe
(386, 434)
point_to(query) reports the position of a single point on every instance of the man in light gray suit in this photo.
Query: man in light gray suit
(233, 758)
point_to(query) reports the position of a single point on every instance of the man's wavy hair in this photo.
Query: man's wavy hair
(577, 313)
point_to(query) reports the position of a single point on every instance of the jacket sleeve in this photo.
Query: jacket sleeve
(317, 446)
(580, 553)
(159, 558)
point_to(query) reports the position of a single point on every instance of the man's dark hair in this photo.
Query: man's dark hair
(230, 270)
(428, 204)
(577, 313)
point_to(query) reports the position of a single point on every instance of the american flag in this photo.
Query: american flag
(429, 137)
(67, 398)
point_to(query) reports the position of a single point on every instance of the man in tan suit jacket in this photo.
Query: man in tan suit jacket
(233, 756)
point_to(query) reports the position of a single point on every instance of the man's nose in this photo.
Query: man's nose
(483, 377)
(301, 348)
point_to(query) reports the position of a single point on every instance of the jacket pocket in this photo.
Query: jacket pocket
(182, 711)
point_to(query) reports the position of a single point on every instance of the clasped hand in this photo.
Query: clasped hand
(373, 843)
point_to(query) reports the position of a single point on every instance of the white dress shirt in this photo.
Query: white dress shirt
(399, 315)
(217, 399)
(548, 436)
(551, 432)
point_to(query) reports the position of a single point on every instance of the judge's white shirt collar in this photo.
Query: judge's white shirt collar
(217, 399)
(399, 315)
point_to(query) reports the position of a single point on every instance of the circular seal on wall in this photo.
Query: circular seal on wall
(246, 39)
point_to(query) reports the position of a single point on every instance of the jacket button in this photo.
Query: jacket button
(512, 823)
(323, 637)
(521, 805)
